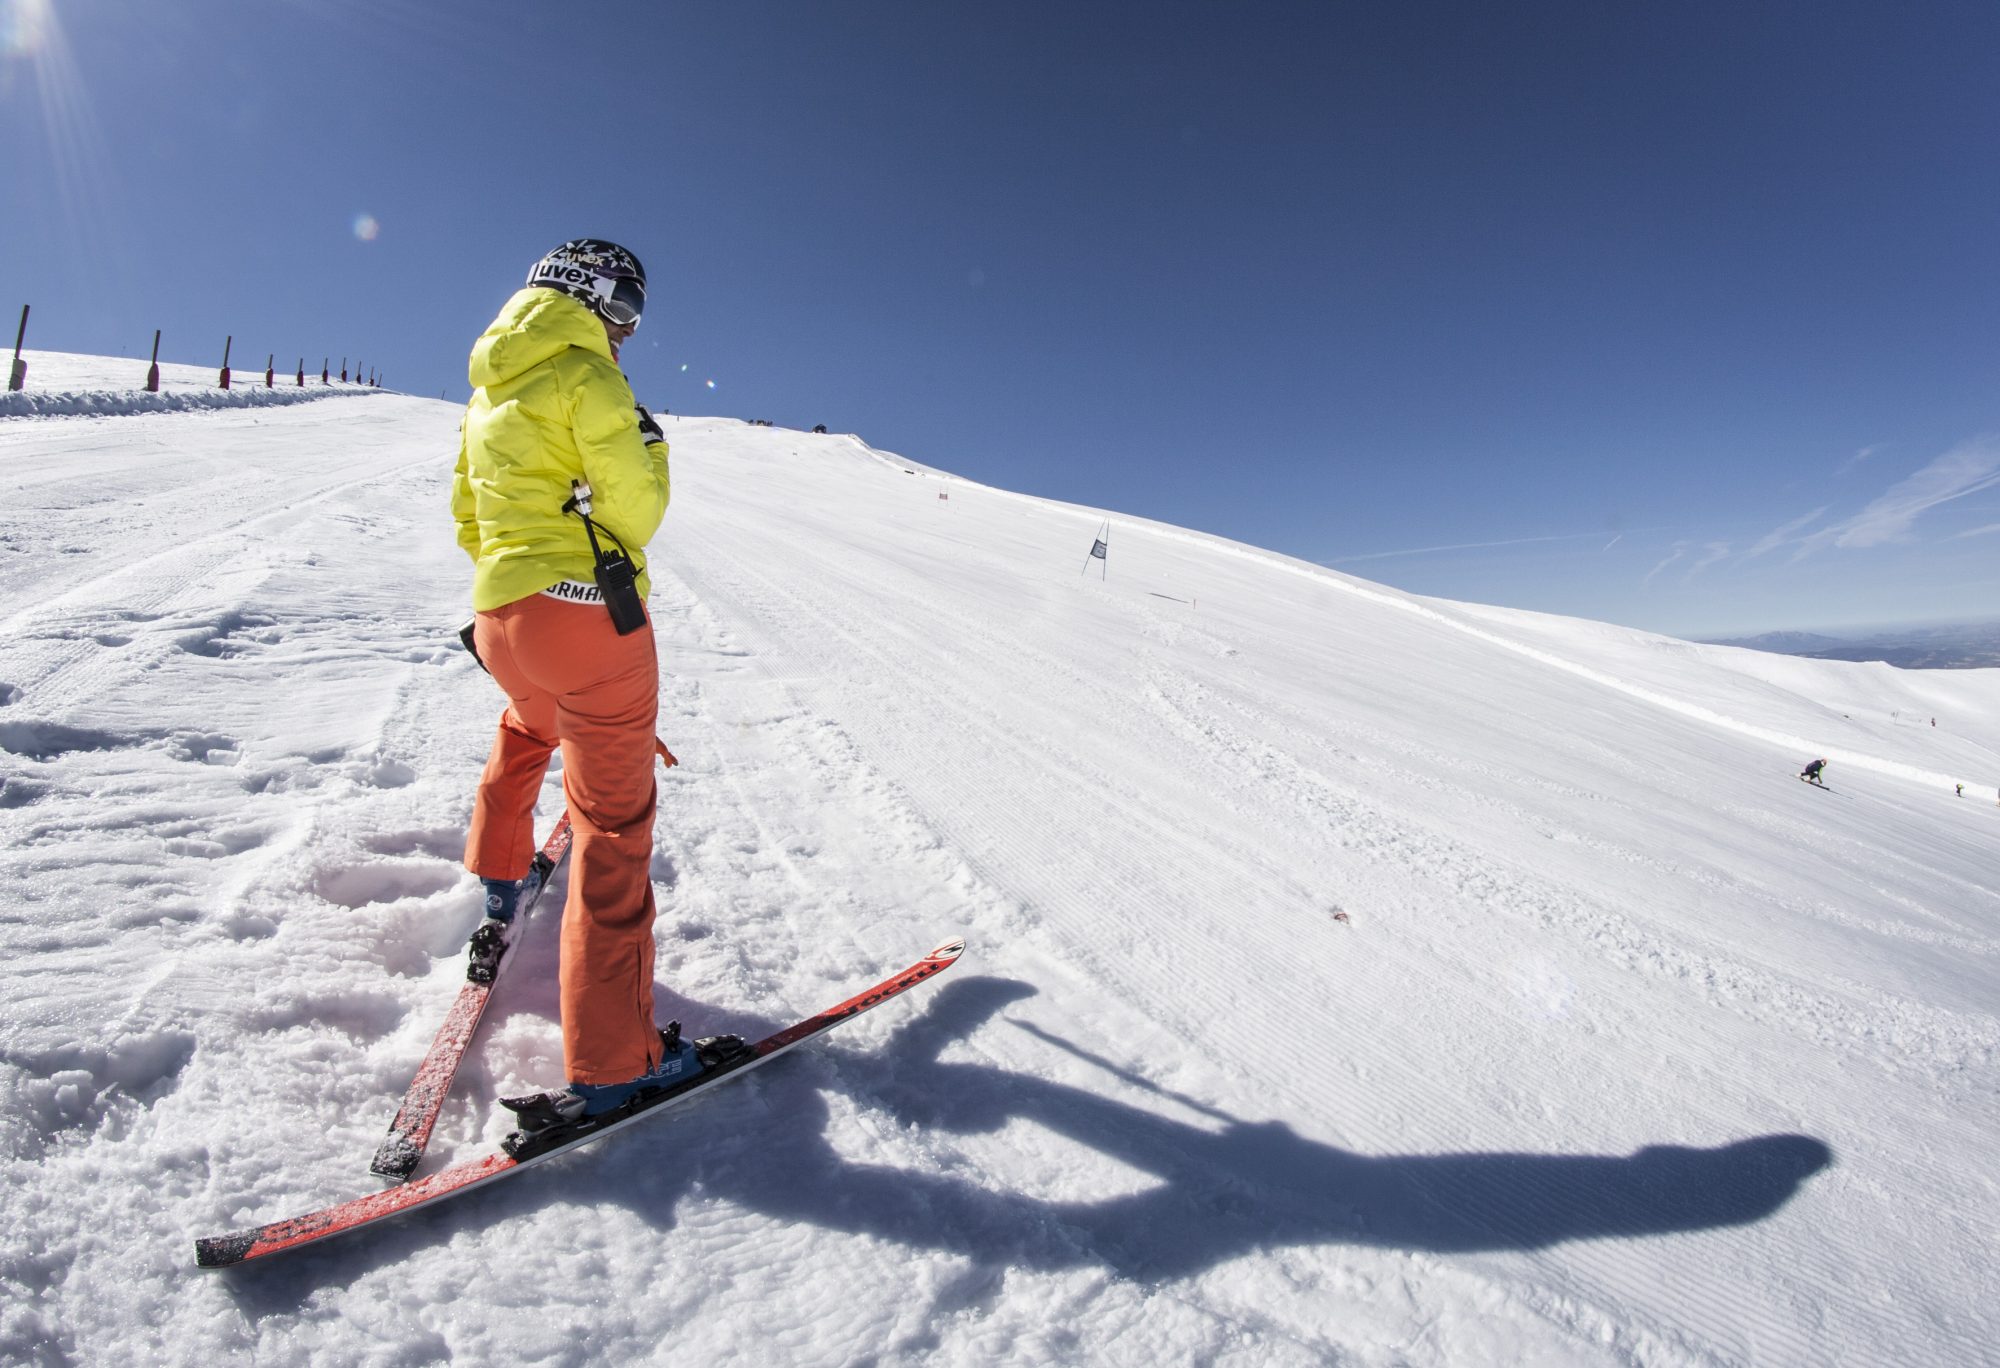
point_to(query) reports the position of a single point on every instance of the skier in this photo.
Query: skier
(1811, 773)
(557, 465)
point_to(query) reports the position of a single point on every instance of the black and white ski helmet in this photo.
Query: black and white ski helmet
(603, 275)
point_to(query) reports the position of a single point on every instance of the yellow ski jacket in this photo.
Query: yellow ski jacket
(549, 405)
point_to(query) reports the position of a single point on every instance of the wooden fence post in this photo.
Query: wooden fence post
(18, 377)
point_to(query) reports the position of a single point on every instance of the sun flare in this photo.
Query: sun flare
(34, 51)
(24, 27)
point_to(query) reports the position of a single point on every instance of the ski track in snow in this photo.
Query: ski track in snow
(1527, 1103)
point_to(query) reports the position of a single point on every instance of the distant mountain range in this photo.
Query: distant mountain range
(1954, 646)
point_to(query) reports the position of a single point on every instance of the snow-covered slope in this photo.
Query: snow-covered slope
(1353, 977)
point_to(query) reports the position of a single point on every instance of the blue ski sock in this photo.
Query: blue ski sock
(503, 896)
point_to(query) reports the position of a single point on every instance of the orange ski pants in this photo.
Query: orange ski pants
(573, 682)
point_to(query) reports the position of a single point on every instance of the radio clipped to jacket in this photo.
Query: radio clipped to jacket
(617, 578)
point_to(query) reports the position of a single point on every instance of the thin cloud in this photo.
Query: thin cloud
(1860, 456)
(1966, 469)
(1711, 553)
(1680, 549)
(1963, 470)
(1975, 532)
(1459, 546)
(1782, 536)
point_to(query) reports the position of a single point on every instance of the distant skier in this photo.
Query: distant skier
(1811, 773)
(1961, 790)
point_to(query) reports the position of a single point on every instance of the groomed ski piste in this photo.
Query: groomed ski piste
(1352, 977)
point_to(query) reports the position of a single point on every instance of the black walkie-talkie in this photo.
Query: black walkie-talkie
(617, 578)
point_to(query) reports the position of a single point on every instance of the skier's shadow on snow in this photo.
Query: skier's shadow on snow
(1221, 1186)
(1218, 1186)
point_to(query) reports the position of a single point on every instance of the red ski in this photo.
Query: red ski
(403, 1149)
(221, 1251)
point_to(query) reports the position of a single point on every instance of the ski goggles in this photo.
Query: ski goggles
(620, 301)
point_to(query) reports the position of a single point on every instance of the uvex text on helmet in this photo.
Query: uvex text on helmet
(602, 275)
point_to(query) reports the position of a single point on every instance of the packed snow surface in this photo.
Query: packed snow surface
(1353, 977)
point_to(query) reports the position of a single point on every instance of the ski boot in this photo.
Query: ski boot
(492, 936)
(548, 1119)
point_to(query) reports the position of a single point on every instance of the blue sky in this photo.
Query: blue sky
(1675, 316)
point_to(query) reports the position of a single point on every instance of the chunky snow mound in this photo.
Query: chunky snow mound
(1353, 977)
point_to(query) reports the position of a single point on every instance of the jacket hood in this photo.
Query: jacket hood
(533, 326)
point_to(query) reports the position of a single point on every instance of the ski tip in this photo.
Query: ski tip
(948, 952)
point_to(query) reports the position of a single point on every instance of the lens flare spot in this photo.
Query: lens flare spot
(24, 27)
(366, 229)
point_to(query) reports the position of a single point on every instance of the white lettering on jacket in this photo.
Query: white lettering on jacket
(574, 591)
